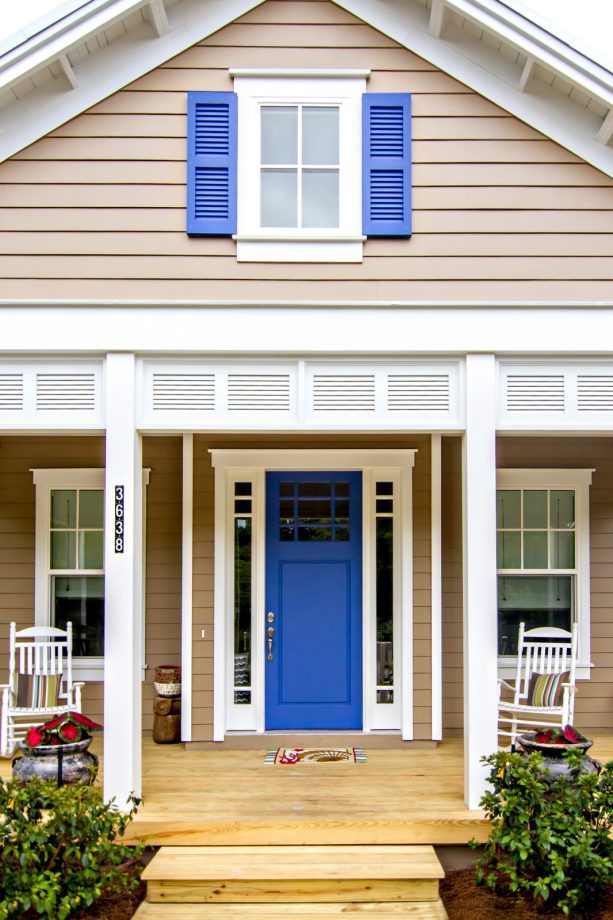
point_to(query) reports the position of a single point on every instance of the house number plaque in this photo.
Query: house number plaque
(119, 521)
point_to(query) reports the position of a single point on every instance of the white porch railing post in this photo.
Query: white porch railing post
(123, 581)
(479, 546)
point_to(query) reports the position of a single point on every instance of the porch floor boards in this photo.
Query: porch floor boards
(231, 797)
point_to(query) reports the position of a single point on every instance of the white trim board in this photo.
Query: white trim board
(232, 465)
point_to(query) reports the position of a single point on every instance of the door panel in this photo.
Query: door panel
(314, 591)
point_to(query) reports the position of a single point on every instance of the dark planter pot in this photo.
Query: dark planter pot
(553, 760)
(65, 764)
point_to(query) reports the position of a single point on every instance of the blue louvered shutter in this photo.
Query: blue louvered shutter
(386, 164)
(211, 163)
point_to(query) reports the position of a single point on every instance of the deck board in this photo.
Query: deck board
(231, 797)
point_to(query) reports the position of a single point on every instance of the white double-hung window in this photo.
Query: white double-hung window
(542, 524)
(299, 165)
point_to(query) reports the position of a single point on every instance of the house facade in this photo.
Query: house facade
(320, 412)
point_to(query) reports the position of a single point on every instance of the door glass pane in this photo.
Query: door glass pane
(279, 198)
(385, 604)
(242, 608)
(535, 550)
(287, 511)
(279, 142)
(341, 511)
(509, 549)
(64, 508)
(63, 549)
(319, 135)
(535, 509)
(91, 549)
(91, 508)
(508, 508)
(536, 600)
(286, 489)
(563, 549)
(319, 198)
(562, 507)
(80, 600)
(314, 534)
(342, 489)
(314, 489)
(310, 510)
(385, 488)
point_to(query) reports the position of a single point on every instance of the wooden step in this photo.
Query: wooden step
(287, 874)
(411, 910)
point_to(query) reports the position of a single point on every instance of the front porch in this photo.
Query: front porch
(407, 795)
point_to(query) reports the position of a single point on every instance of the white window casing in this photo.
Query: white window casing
(577, 480)
(342, 89)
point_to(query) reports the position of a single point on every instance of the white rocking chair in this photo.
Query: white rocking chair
(40, 681)
(544, 688)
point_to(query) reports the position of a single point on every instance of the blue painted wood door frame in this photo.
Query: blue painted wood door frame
(314, 590)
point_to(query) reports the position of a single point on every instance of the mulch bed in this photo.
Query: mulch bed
(463, 900)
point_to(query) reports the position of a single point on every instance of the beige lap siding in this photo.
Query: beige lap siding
(97, 209)
(202, 723)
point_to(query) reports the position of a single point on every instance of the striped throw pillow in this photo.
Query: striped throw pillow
(547, 689)
(36, 691)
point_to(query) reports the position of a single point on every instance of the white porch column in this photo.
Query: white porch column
(479, 550)
(123, 584)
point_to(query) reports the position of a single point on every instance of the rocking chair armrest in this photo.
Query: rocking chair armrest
(570, 687)
(503, 683)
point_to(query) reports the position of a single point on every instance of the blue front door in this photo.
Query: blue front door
(313, 600)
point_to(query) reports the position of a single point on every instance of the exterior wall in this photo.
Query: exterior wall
(96, 209)
(164, 456)
(203, 585)
(18, 455)
(594, 704)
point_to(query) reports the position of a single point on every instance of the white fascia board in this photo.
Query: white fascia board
(111, 68)
(408, 25)
(266, 330)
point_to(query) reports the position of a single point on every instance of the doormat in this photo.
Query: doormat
(285, 755)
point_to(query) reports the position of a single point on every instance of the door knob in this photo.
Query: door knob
(270, 616)
(270, 631)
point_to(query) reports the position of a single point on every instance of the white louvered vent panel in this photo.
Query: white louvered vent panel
(11, 392)
(418, 392)
(344, 392)
(179, 392)
(535, 393)
(258, 392)
(595, 393)
(66, 392)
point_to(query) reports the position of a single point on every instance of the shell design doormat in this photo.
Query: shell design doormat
(284, 755)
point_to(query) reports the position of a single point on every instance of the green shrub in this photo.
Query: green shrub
(550, 838)
(59, 849)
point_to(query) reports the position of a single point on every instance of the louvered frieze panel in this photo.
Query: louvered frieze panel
(189, 392)
(572, 395)
(300, 395)
(65, 392)
(258, 392)
(11, 392)
(418, 393)
(344, 392)
(595, 392)
(51, 394)
(535, 393)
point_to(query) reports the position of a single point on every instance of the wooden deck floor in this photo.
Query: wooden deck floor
(224, 797)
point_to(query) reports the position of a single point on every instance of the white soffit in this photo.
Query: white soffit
(103, 45)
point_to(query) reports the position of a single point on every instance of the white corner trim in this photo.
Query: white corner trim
(187, 532)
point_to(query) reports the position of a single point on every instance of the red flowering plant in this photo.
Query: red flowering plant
(566, 735)
(67, 728)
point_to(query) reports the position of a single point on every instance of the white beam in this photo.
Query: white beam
(186, 586)
(436, 588)
(159, 19)
(437, 18)
(479, 550)
(606, 129)
(123, 585)
(526, 74)
(68, 71)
